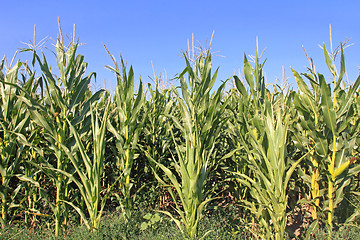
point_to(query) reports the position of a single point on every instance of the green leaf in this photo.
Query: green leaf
(144, 226)
(240, 86)
(147, 216)
(328, 61)
(327, 106)
(342, 64)
(248, 73)
(29, 179)
(349, 98)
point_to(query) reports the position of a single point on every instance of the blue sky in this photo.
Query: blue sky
(157, 31)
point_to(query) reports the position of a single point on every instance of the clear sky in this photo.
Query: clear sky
(157, 31)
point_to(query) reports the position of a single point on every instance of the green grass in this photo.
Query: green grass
(343, 233)
(225, 223)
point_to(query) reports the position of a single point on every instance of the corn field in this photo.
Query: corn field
(71, 154)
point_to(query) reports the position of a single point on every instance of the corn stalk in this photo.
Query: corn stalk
(14, 120)
(199, 122)
(334, 134)
(244, 105)
(156, 134)
(259, 127)
(307, 134)
(127, 129)
(89, 168)
(272, 168)
(66, 97)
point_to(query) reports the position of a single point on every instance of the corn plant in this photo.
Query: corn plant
(199, 122)
(263, 167)
(29, 175)
(156, 134)
(66, 97)
(272, 168)
(89, 168)
(25, 137)
(327, 116)
(244, 105)
(308, 106)
(14, 120)
(126, 129)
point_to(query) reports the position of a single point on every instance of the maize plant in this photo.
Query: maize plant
(307, 104)
(89, 169)
(156, 134)
(127, 128)
(272, 167)
(260, 129)
(244, 106)
(14, 119)
(66, 97)
(29, 175)
(199, 122)
(332, 131)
